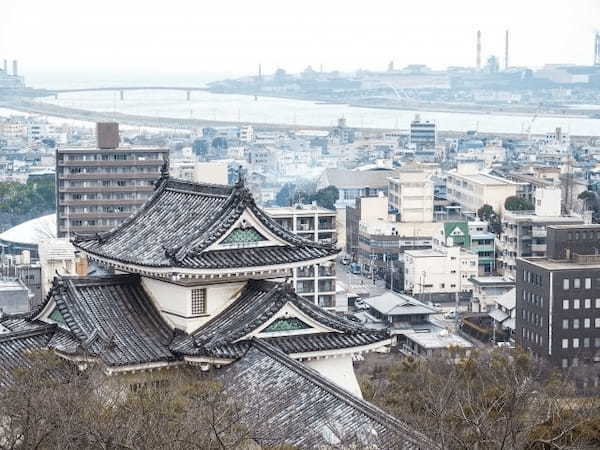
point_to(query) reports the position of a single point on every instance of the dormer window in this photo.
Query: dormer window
(198, 302)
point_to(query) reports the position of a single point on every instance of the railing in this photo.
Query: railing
(586, 259)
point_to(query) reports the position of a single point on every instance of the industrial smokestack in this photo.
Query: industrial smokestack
(15, 68)
(506, 51)
(597, 50)
(478, 50)
(6, 66)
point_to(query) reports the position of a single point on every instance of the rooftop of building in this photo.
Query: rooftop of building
(31, 232)
(392, 304)
(88, 149)
(493, 281)
(298, 210)
(586, 263)
(11, 285)
(431, 336)
(593, 227)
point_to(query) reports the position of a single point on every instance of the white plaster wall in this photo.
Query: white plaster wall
(177, 300)
(339, 370)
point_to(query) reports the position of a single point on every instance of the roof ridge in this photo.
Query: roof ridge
(373, 412)
(12, 335)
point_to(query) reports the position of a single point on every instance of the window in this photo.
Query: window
(597, 322)
(597, 342)
(565, 363)
(575, 342)
(587, 303)
(575, 324)
(566, 304)
(597, 303)
(576, 303)
(565, 343)
(586, 322)
(586, 342)
(565, 324)
(198, 302)
(576, 283)
(566, 284)
(588, 283)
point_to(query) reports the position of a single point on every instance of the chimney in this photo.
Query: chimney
(478, 50)
(506, 51)
(15, 68)
(107, 134)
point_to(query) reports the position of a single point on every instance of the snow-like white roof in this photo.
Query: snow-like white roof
(32, 232)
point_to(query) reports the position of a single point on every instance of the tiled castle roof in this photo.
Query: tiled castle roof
(112, 318)
(306, 409)
(258, 303)
(182, 219)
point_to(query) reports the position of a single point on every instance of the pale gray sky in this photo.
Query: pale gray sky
(197, 36)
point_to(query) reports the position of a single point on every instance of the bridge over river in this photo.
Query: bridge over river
(122, 89)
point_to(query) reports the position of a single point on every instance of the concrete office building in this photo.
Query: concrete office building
(99, 187)
(316, 282)
(410, 196)
(442, 269)
(558, 298)
(524, 232)
(468, 186)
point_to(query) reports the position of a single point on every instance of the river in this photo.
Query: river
(245, 108)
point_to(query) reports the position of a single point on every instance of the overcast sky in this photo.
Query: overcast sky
(226, 36)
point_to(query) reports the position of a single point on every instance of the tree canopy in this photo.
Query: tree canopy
(20, 202)
(514, 203)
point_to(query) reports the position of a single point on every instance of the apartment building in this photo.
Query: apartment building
(472, 188)
(317, 282)
(410, 195)
(524, 232)
(475, 237)
(99, 187)
(558, 298)
(423, 134)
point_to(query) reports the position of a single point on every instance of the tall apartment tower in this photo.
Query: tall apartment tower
(97, 188)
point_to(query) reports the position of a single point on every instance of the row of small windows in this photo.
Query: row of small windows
(574, 343)
(533, 299)
(532, 277)
(577, 284)
(532, 336)
(531, 317)
(574, 323)
(583, 235)
(576, 303)
(575, 363)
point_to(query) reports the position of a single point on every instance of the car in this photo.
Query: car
(437, 305)
(450, 316)
(345, 260)
(360, 304)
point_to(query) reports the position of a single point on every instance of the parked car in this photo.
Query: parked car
(346, 260)
(450, 316)
(360, 304)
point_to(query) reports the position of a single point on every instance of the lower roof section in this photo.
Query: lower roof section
(308, 411)
(113, 320)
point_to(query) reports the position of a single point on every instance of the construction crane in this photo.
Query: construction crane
(535, 116)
